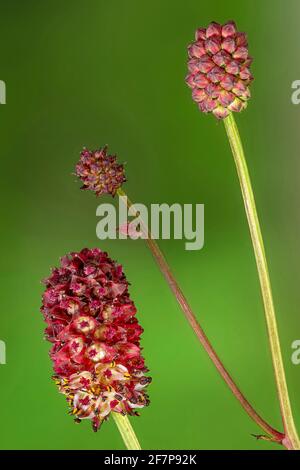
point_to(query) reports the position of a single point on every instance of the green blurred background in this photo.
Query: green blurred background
(97, 72)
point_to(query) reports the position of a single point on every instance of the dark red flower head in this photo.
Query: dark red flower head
(219, 73)
(99, 172)
(96, 350)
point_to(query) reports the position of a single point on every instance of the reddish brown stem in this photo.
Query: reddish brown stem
(198, 330)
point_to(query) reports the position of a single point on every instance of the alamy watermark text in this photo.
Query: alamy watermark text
(178, 221)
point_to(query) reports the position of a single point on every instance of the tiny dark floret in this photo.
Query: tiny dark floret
(100, 172)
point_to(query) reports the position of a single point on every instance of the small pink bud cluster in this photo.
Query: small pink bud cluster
(99, 172)
(219, 73)
(96, 349)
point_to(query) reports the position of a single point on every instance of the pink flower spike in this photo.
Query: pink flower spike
(220, 57)
(96, 351)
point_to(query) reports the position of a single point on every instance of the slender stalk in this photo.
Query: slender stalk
(163, 265)
(262, 267)
(126, 431)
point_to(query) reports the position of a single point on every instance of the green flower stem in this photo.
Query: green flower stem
(126, 431)
(166, 271)
(292, 439)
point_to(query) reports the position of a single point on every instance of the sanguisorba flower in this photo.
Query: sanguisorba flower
(100, 172)
(96, 350)
(219, 73)
(92, 168)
